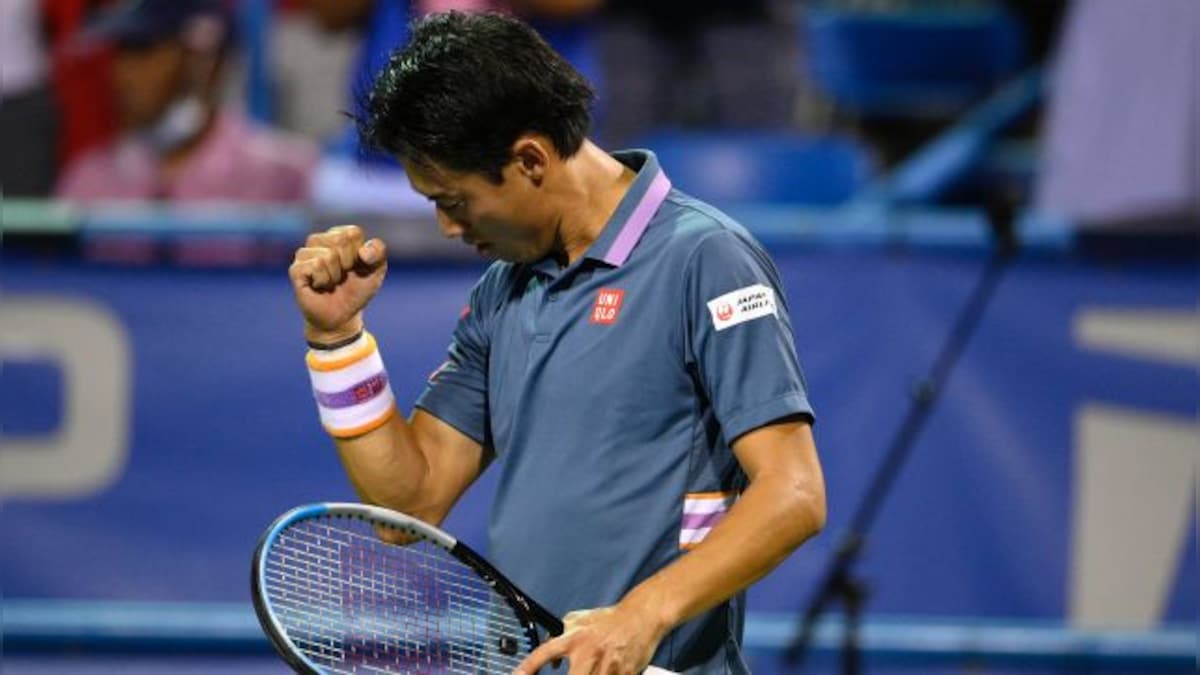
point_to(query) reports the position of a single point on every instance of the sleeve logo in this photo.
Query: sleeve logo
(744, 304)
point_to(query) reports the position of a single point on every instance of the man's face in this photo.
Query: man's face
(146, 78)
(508, 221)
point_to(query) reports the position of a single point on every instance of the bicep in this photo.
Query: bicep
(785, 449)
(454, 461)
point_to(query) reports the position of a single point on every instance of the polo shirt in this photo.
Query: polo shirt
(611, 391)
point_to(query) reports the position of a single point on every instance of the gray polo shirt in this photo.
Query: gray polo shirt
(611, 392)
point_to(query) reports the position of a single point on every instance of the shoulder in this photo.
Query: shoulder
(103, 171)
(280, 164)
(258, 147)
(698, 230)
(284, 151)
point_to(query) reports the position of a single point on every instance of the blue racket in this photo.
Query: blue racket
(334, 597)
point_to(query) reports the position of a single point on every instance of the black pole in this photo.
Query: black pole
(839, 582)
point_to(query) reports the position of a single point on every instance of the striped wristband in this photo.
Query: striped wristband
(351, 387)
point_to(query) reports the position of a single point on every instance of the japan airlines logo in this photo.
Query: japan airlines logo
(744, 304)
(608, 305)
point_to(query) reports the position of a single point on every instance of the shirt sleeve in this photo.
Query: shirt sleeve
(739, 335)
(457, 392)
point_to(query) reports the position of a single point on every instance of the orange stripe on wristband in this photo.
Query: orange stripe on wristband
(710, 495)
(327, 365)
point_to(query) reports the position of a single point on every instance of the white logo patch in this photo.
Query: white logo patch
(744, 304)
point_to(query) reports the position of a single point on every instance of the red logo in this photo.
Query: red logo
(608, 305)
(725, 311)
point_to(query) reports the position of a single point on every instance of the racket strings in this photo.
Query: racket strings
(351, 603)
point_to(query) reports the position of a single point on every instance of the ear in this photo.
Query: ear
(532, 156)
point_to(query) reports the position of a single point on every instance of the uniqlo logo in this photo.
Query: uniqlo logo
(608, 305)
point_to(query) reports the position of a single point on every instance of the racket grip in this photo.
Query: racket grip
(655, 670)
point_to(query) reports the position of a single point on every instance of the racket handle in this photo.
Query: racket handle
(655, 670)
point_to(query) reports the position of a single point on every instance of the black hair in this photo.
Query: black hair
(465, 87)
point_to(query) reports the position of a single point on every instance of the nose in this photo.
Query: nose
(451, 229)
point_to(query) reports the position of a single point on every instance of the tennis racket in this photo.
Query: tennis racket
(333, 597)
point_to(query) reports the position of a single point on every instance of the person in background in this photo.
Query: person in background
(28, 115)
(178, 143)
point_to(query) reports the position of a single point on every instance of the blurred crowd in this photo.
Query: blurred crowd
(200, 100)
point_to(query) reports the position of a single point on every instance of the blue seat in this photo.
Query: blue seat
(914, 63)
(728, 167)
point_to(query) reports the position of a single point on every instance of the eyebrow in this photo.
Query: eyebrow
(440, 196)
(431, 196)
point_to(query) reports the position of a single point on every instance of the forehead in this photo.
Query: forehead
(433, 180)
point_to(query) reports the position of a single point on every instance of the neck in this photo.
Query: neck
(593, 185)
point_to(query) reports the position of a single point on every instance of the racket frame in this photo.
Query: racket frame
(528, 612)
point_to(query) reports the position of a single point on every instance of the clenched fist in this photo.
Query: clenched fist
(334, 276)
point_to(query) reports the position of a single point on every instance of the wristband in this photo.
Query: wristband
(351, 387)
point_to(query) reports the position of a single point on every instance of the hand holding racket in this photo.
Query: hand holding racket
(333, 598)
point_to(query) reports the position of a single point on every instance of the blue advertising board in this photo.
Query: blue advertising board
(155, 420)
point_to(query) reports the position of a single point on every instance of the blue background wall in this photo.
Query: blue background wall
(224, 434)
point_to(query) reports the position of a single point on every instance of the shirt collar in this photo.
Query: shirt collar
(633, 214)
(627, 224)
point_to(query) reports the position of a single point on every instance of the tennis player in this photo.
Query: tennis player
(628, 358)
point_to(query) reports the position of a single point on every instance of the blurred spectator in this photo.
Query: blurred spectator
(706, 63)
(1122, 131)
(28, 116)
(178, 142)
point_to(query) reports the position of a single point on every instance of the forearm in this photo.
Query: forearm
(378, 448)
(387, 466)
(773, 516)
(420, 467)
